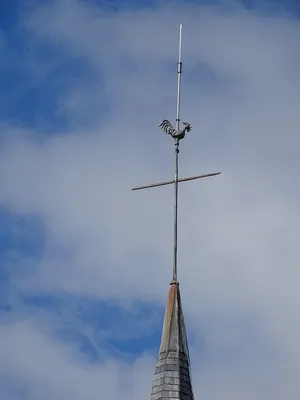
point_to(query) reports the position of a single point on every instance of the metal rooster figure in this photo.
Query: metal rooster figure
(176, 134)
(168, 128)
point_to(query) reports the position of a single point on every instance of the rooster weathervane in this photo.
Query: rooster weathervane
(168, 128)
(176, 134)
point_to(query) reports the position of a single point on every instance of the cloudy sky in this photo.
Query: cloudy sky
(85, 263)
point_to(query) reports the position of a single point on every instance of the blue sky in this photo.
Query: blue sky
(85, 263)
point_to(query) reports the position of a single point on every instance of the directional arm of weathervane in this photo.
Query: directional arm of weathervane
(190, 178)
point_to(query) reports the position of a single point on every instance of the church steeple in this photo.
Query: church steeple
(172, 379)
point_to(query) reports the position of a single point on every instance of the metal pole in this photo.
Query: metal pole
(179, 70)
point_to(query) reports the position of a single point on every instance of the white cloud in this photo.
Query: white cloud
(45, 369)
(238, 232)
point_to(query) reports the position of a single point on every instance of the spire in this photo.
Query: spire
(172, 379)
(172, 373)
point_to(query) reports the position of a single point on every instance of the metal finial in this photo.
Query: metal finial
(177, 134)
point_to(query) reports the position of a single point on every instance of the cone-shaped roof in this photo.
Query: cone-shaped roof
(172, 378)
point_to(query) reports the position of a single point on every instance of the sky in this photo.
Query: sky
(85, 263)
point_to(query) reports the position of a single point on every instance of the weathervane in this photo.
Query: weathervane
(177, 134)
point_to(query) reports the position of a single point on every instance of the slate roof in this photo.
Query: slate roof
(172, 378)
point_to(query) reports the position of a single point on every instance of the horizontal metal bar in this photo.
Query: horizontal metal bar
(191, 178)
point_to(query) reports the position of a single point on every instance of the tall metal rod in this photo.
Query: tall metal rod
(179, 70)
